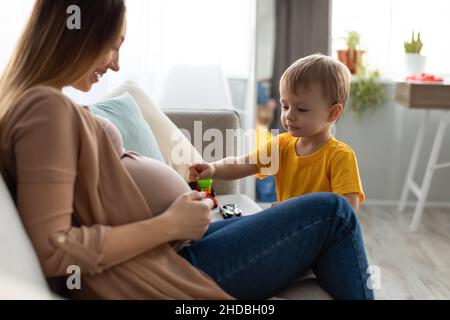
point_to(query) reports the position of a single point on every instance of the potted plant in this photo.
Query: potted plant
(366, 92)
(414, 61)
(352, 56)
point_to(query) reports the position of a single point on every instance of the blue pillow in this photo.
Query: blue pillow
(137, 135)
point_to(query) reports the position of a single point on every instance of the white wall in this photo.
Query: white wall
(383, 143)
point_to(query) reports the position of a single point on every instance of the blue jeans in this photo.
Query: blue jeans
(256, 256)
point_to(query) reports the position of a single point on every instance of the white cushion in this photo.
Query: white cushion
(17, 256)
(168, 136)
(12, 288)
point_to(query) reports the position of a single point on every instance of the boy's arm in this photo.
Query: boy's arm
(234, 168)
(345, 179)
(353, 198)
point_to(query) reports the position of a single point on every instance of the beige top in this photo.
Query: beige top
(60, 160)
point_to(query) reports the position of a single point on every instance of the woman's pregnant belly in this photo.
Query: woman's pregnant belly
(159, 183)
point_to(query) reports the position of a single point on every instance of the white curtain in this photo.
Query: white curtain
(161, 34)
(13, 16)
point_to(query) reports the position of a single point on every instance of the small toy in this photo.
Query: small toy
(205, 185)
(229, 211)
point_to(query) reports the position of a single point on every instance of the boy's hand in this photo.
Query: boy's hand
(201, 171)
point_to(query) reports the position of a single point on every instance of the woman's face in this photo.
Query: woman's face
(109, 60)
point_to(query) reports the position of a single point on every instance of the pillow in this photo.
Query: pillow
(14, 288)
(17, 256)
(124, 112)
(167, 135)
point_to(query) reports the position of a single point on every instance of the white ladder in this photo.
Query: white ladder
(422, 192)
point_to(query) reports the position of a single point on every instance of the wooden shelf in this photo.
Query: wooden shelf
(423, 95)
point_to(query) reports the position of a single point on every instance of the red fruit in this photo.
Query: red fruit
(425, 78)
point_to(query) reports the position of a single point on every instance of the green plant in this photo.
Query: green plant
(366, 92)
(352, 40)
(415, 45)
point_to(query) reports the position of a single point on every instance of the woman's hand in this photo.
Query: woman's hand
(189, 216)
(201, 171)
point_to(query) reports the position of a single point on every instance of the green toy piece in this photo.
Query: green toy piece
(205, 184)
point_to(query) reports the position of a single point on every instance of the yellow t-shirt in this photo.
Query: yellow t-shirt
(332, 168)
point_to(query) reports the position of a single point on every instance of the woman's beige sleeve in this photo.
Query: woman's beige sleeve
(46, 147)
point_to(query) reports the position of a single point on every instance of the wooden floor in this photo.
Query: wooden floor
(413, 265)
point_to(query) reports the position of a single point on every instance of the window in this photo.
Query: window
(384, 25)
(162, 33)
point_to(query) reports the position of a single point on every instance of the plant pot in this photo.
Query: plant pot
(414, 63)
(351, 58)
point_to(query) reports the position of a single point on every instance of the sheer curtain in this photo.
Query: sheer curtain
(302, 28)
(165, 33)
(13, 17)
(161, 34)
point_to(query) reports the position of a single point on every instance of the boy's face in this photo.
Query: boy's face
(305, 114)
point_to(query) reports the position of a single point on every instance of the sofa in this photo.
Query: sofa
(20, 273)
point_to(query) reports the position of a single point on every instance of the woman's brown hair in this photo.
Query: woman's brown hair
(50, 53)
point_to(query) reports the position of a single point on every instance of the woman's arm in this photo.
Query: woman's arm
(128, 241)
(186, 219)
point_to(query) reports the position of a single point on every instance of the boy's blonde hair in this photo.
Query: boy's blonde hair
(331, 76)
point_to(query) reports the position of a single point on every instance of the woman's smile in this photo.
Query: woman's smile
(97, 75)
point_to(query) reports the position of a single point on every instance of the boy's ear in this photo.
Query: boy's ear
(335, 112)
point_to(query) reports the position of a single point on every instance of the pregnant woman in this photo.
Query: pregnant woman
(123, 218)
